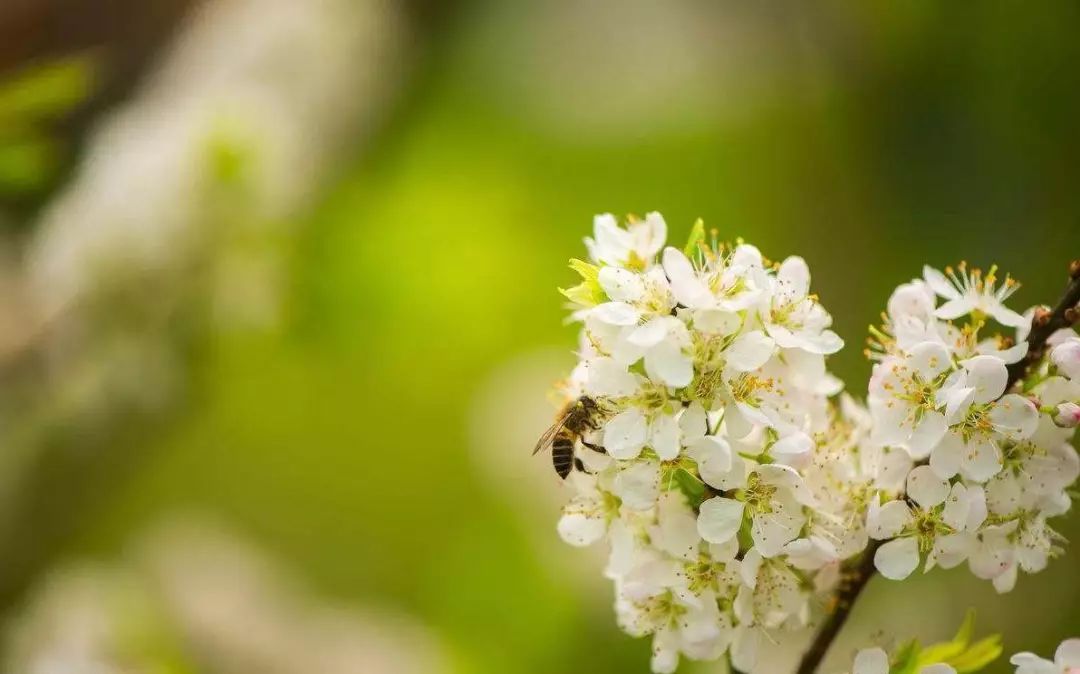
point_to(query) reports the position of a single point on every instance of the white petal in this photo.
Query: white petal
(626, 433)
(649, 235)
(957, 507)
(930, 359)
(580, 530)
(1029, 663)
(1015, 416)
(794, 277)
(749, 351)
(897, 558)
(939, 283)
(615, 313)
(793, 450)
(717, 466)
(1068, 653)
(926, 488)
(651, 333)
(719, 519)
(693, 422)
(638, 485)
(717, 321)
(750, 567)
(947, 456)
(939, 668)
(786, 476)
(772, 531)
(621, 285)
(977, 511)
(664, 437)
(1006, 316)
(981, 460)
(676, 533)
(887, 521)
(1066, 357)
(605, 377)
(988, 376)
(927, 433)
(711, 450)
(826, 343)
(744, 650)
(957, 400)
(687, 287)
(871, 661)
(1005, 583)
(955, 308)
(667, 363)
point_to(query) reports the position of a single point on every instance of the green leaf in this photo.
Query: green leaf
(46, 90)
(691, 487)
(697, 235)
(967, 629)
(26, 164)
(589, 272)
(906, 659)
(979, 655)
(587, 293)
(958, 653)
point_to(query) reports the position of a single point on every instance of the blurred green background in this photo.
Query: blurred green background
(375, 439)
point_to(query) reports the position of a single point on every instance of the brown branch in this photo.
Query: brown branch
(1047, 322)
(851, 586)
(1044, 324)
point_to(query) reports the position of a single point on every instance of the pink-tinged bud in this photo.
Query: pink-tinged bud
(1066, 356)
(1067, 415)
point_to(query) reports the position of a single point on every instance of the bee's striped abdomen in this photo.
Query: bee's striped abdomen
(562, 454)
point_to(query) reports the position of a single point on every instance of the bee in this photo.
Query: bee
(573, 421)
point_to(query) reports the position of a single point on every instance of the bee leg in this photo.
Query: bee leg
(579, 466)
(595, 448)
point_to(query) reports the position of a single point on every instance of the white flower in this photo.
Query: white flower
(939, 510)
(876, 661)
(1066, 660)
(973, 446)
(910, 313)
(632, 247)
(906, 398)
(721, 284)
(794, 318)
(585, 518)
(773, 500)
(967, 293)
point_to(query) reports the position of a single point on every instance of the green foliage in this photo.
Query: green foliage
(697, 237)
(959, 652)
(587, 293)
(691, 487)
(29, 157)
(46, 91)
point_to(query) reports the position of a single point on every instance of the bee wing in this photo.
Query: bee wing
(549, 435)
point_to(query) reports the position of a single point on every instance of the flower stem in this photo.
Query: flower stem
(1044, 324)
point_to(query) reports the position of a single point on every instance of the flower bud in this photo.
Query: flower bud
(1067, 415)
(1066, 356)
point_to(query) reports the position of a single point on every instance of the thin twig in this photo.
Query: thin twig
(1044, 324)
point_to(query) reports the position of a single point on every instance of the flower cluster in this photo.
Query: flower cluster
(731, 478)
(994, 465)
